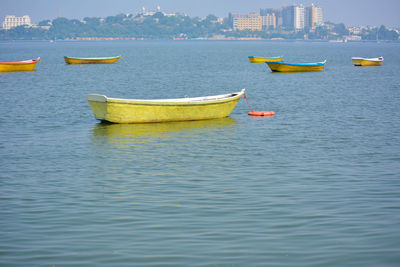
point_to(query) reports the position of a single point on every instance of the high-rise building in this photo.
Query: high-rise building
(299, 17)
(273, 11)
(266, 11)
(251, 22)
(12, 21)
(288, 16)
(317, 16)
(314, 16)
(292, 17)
(269, 20)
(308, 18)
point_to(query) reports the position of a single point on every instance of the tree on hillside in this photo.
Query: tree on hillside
(385, 34)
(340, 29)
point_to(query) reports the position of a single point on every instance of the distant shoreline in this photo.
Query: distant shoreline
(96, 39)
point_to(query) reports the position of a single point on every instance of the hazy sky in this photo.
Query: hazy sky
(350, 12)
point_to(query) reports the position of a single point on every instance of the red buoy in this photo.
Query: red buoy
(262, 113)
(258, 113)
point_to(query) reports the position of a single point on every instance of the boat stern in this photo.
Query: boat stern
(357, 61)
(263, 60)
(98, 104)
(256, 60)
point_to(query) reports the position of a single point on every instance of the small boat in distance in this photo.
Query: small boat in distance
(360, 61)
(295, 67)
(25, 65)
(264, 59)
(117, 110)
(91, 60)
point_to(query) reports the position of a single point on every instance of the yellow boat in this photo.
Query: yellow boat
(91, 60)
(264, 59)
(360, 61)
(25, 65)
(295, 67)
(119, 110)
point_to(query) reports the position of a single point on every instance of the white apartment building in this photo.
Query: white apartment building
(12, 21)
(299, 17)
(152, 13)
(269, 20)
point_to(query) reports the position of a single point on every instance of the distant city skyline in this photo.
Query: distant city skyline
(349, 12)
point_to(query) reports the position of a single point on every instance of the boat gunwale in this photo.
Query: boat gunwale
(266, 57)
(22, 62)
(92, 58)
(314, 64)
(375, 59)
(193, 101)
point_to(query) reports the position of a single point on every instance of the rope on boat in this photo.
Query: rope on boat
(123, 59)
(245, 97)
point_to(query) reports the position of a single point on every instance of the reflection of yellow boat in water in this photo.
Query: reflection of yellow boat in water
(295, 67)
(118, 110)
(264, 59)
(146, 131)
(91, 60)
(360, 61)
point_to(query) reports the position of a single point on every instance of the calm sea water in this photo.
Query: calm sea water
(316, 185)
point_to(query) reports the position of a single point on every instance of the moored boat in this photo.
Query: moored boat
(119, 110)
(360, 61)
(264, 59)
(91, 60)
(295, 67)
(25, 65)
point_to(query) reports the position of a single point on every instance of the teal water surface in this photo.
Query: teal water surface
(316, 185)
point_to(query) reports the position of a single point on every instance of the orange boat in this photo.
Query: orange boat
(25, 65)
